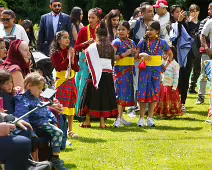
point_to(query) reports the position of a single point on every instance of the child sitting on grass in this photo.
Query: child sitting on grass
(42, 118)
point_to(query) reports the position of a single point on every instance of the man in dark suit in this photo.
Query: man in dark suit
(50, 24)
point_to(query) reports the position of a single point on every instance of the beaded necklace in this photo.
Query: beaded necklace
(155, 50)
(129, 41)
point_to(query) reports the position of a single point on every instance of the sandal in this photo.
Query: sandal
(72, 134)
(85, 126)
(103, 127)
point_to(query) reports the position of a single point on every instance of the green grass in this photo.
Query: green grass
(183, 143)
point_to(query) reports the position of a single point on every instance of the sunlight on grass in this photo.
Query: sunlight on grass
(182, 143)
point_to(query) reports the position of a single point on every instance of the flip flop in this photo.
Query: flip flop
(85, 126)
(104, 127)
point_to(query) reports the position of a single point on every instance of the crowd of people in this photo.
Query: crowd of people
(102, 70)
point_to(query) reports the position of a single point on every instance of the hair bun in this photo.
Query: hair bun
(102, 24)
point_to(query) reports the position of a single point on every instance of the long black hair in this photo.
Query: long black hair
(27, 24)
(112, 14)
(75, 16)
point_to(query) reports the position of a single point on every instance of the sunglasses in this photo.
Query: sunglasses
(6, 19)
(58, 5)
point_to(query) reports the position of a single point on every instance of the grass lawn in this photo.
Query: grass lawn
(183, 143)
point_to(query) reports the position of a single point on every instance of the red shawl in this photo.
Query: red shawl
(15, 58)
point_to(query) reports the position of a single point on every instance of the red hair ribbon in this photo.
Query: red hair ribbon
(100, 11)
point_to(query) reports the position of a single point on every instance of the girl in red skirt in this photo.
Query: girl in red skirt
(169, 105)
(66, 65)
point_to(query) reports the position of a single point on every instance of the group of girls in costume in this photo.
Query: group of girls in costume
(104, 79)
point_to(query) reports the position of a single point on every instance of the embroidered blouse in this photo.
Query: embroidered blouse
(171, 75)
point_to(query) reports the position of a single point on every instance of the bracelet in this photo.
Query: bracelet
(168, 61)
(121, 56)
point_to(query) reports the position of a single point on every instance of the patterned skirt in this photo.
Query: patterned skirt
(124, 85)
(67, 96)
(149, 84)
(169, 105)
(81, 79)
(99, 102)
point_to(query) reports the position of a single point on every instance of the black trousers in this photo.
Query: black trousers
(196, 66)
(184, 76)
(14, 152)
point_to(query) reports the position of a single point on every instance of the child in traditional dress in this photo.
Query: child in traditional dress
(65, 63)
(169, 105)
(100, 97)
(150, 51)
(123, 71)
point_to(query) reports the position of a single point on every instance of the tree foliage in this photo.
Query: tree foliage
(33, 9)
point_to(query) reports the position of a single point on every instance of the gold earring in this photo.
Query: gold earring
(156, 36)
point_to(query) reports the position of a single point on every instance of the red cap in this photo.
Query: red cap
(161, 3)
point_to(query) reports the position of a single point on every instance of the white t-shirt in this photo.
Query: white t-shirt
(18, 31)
(164, 20)
(207, 30)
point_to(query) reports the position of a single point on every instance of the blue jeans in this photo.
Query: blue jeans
(64, 127)
(14, 152)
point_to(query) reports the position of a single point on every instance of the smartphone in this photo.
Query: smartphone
(1, 103)
(187, 13)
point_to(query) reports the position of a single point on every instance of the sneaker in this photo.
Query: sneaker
(124, 122)
(137, 109)
(58, 164)
(117, 123)
(132, 114)
(200, 100)
(150, 122)
(183, 108)
(192, 91)
(141, 122)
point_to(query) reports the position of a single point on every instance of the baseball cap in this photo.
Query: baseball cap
(161, 4)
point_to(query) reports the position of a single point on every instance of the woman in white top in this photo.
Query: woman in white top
(10, 28)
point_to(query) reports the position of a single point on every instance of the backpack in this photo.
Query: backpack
(134, 31)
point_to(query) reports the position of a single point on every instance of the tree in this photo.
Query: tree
(28, 9)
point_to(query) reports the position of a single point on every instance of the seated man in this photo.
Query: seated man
(15, 150)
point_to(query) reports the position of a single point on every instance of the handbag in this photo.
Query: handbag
(142, 65)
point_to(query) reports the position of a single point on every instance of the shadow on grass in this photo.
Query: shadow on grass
(201, 113)
(69, 149)
(89, 140)
(173, 128)
(181, 138)
(132, 128)
(189, 119)
(70, 166)
(181, 118)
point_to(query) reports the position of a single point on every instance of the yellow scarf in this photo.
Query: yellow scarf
(61, 77)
